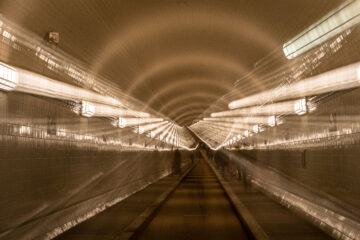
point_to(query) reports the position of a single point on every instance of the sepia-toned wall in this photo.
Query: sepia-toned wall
(50, 174)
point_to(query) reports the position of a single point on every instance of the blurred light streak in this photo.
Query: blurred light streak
(37, 84)
(129, 122)
(159, 130)
(280, 108)
(8, 78)
(335, 80)
(60, 62)
(151, 126)
(247, 120)
(109, 111)
(342, 18)
(91, 103)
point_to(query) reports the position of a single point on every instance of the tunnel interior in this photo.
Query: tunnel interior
(231, 119)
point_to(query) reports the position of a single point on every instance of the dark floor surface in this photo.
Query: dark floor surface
(110, 224)
(198, 209)
(278, 222)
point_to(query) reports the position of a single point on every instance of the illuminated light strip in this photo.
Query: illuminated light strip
(129, 122)
(286, 107)
(157, 131)
(56, 61)
(163, 134)
(102, 110)
(342, 18)
(339, 79)
(169, 138)
(173, 135)
(87, 109)
(173, 138)
(162, 131)
(151, 126)
(37, 84)
(93, 104)
(8, 78)
(168, 134)
(88, 104)
(248, 120)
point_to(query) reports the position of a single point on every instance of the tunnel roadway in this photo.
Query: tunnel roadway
(198, 209)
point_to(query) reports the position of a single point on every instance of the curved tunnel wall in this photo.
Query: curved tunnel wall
(311, 161)
(320, 149)
(50, 180)
(52, 177)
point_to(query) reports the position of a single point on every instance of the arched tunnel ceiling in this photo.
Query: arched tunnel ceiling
(177, 56)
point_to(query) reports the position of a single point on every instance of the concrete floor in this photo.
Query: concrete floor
(277, 221)
(198, 209)
(110, 224)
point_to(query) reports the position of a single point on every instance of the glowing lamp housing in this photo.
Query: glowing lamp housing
(8, 78)
(87, 109)
(122, 122)
(300, 107)
(141, 130)
(340, 19)
(246, 133)
(272, 121)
